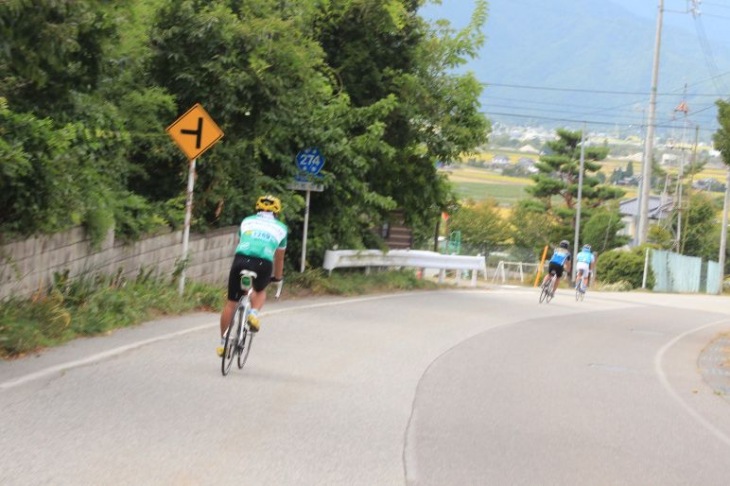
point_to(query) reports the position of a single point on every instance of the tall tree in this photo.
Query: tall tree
(380, 49)
(481, 225)
(721, 138)
(559, 176)
(49, 50)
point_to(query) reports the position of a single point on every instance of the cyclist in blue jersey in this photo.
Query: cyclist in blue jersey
(585, 262)
(261, 247)
(560, 261)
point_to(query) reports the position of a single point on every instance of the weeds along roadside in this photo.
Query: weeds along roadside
(95, 305)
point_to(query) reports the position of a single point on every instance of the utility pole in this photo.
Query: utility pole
(680, 177)
(649, 142)
(580, 195)
(723, 233)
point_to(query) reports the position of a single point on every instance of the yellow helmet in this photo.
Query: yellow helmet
(268, 203)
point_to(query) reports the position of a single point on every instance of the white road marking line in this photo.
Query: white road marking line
(122, 349)
(672, 392)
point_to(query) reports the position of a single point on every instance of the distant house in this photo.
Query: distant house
(659, 208)
(670, 160)
(709, 184)
(628, 181)
(527, 164)
(529, 149)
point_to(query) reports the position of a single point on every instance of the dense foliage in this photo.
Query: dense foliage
(88, 88)
(626, 266)
(98, 304)
(555, 197)
(482, 228)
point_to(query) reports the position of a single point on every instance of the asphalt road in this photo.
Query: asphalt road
(482, 387)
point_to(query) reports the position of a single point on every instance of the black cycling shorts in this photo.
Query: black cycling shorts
(263, 269)
(558, 268)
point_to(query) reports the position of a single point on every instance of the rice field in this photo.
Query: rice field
(471, 183)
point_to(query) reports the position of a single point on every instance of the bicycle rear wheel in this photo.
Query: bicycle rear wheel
(245, 341)
(550, 289)
(544, 292)
(230, 347)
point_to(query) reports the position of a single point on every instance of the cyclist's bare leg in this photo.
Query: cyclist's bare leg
(228, 309)
(557, 282)
(258, 299)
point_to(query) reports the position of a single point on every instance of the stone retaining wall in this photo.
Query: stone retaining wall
(29, 265)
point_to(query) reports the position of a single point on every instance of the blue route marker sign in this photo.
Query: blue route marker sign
(310, 161)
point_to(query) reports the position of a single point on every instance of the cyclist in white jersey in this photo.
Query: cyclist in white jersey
(261, 248)
(585, 262)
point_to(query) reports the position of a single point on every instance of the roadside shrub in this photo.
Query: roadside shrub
(26, 325)
(623, 266)
(96, 304)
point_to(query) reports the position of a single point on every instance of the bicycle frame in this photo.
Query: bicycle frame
(239, 337)
(547, 289)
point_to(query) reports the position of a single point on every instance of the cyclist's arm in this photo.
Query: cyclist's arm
(279, 263)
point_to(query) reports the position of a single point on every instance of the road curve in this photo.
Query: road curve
(448, 387)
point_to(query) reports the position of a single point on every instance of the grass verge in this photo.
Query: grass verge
(91, 306)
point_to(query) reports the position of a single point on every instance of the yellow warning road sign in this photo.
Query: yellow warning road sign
(195, 132)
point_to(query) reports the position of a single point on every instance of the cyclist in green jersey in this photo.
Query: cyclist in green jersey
(261, 248)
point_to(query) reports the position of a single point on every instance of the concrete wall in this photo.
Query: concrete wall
(29, 265)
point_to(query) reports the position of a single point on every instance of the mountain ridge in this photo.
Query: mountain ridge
(591, 61)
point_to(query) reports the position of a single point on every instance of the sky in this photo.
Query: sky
(711, 25)
(714, 15)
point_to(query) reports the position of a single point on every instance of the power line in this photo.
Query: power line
(716, 4)
(589, 122)
(592, 91)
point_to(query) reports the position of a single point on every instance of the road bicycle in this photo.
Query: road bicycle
(547, 289)
(238, 336)
(580, 288)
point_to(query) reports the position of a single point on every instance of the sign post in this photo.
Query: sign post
(309, 162)
(194, 132)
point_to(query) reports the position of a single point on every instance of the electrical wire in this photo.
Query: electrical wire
(594, 91)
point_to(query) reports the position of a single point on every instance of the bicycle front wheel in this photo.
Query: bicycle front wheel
(245, 341)
(230, 346)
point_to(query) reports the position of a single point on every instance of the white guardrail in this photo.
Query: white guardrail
(406, 258)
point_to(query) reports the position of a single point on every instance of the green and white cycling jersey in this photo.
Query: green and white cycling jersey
(260, 235)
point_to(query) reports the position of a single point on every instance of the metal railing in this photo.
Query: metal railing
(406, 258)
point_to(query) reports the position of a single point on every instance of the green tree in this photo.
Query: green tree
(721, 138)
(382, 49)
(620, 265)
(91, 86)
(50, 50)
(556, 185)
(601, 230)
(698, 235)
(534, 228)
(482, 228)
(559, 169)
